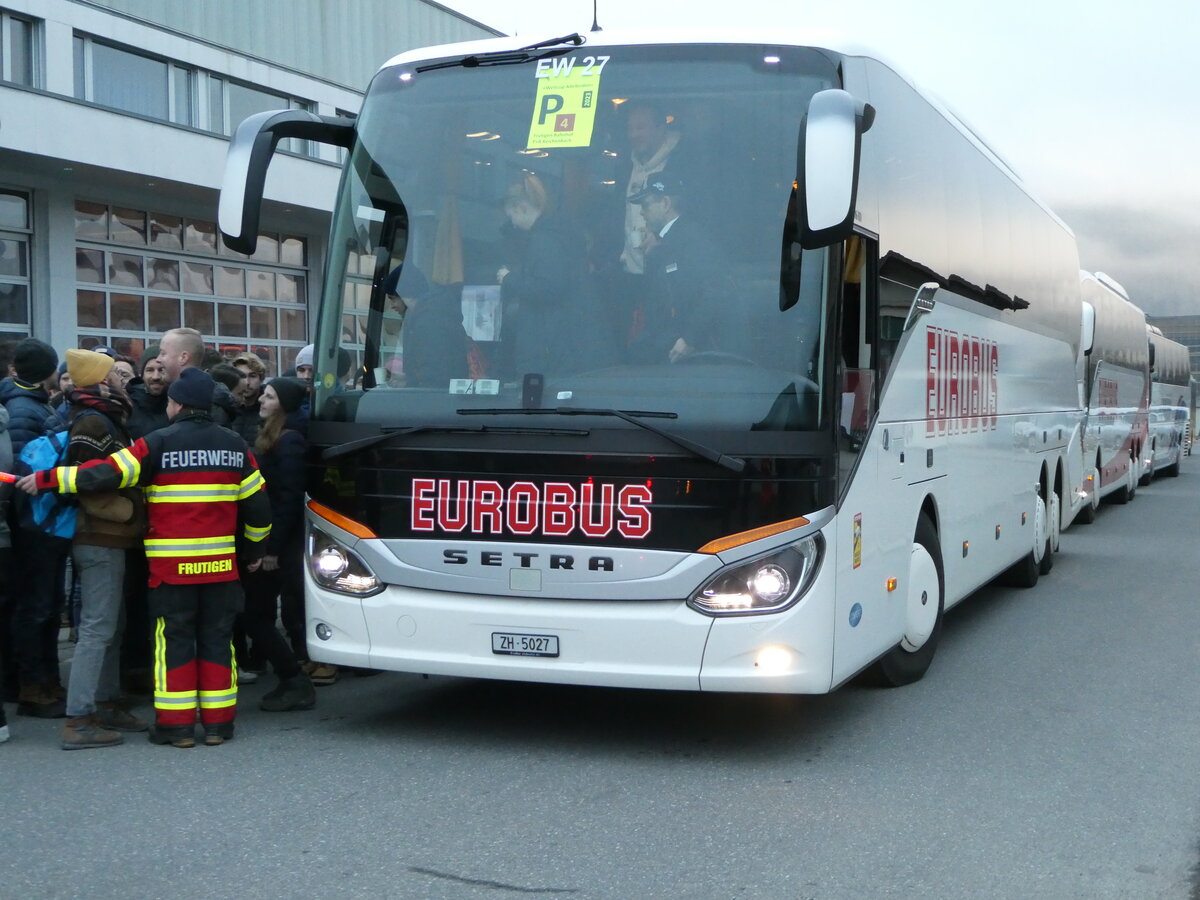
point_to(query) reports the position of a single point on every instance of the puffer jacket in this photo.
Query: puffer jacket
(29, 411)
(149, 411)
(225, 407)
(283, 470)
(6, 465)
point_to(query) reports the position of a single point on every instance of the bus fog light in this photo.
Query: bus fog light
(337, 568)
(324, 632)
(773, 660)
(768, 583)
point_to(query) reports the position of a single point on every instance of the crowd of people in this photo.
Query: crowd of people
(168, 535)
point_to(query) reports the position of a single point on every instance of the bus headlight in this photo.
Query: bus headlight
(338, 569)
(765, 584)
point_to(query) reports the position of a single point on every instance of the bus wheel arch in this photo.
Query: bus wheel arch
(925, 605)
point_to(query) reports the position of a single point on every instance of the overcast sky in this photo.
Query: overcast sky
(1096, 105)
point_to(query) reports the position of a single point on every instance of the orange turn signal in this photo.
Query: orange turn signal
(346, 524)
(754, 534)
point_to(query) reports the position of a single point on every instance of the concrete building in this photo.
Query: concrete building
(114, 123)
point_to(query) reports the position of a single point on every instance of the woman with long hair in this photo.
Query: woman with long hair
(280, 448)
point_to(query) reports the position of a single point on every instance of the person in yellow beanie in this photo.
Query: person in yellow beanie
(108, 524)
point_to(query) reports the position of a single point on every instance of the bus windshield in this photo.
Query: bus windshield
(607, 228)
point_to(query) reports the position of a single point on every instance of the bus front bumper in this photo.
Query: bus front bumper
(662, 645)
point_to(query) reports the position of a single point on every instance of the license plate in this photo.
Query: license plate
(509, 644)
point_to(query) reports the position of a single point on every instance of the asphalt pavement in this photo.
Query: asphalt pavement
(1053, 750)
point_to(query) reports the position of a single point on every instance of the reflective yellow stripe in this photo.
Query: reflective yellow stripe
(180, 550)
(174, 699)
(190, 493)
(250, 484)
(160, 655)
(206, 546)
(129, 466)
(222, 539)
(256, 534)
(218, 699)
(66, 479)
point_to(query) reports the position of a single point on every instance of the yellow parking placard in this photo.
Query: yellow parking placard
(564, 109)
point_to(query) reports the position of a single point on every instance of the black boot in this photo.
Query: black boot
(293, 693)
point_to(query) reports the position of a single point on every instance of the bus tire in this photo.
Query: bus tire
(1172, 471)
(1025, 572)
(1087, 513)
(1052, 526)
(910, 659)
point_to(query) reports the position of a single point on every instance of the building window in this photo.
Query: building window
(139, 273)
(17, 50)
(15, 239)
(157, 88)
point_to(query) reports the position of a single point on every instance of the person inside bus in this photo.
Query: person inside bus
(681, 313)
(651, 144)
(433, 343)
(546, 311)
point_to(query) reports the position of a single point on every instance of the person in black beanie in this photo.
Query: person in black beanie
(280, 448)
(41, 558)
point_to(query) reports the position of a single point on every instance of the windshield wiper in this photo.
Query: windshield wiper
(339, 450)
(509, 57)
(733, 463)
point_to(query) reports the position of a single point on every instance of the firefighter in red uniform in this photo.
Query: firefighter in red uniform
(196, 478)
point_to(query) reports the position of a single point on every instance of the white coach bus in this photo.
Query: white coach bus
(834, 400)
(1117, 394)
(1170, 406)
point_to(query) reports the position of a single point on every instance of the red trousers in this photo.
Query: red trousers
(194, 664)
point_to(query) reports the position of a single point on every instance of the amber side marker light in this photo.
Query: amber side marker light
(355, 528)
(754, 534)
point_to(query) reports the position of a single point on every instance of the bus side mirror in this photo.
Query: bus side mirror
(250, 154)
(829, 155)
(1087, 329)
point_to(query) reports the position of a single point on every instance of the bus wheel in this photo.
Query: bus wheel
(1053, 524)
(909, 660)
(1087, 513)
(1025, 572)
(1172, 471)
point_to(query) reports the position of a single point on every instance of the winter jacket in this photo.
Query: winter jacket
(29, 411)
(224, 407)
(198, 480)
(6, 490)
(283, 469)
(248, 423)
(149, 411)
(107, 518)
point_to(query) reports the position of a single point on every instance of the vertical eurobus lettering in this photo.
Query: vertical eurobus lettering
(961, 382)
(593, 522)
(455, 520)
(932, 387)
(635, 518)
(994, 385)
(559, 515)
(423, 505)
(522, 508)
(953, 395)
(486, 499)
(975, 407)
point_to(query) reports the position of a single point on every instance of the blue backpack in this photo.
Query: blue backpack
(48, 512)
